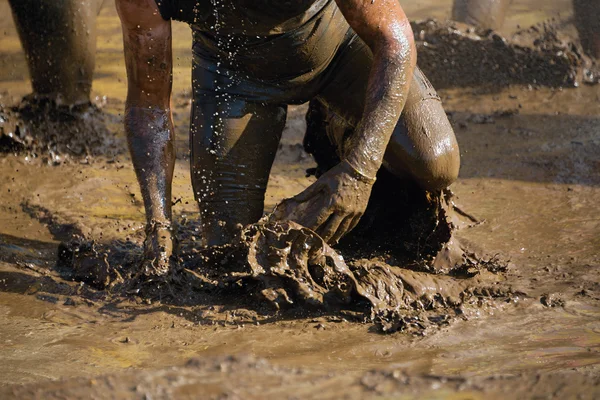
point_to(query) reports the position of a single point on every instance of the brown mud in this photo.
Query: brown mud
(281, 267)
(454, 54)
(530, 175)
(39, 128)
(251, 378)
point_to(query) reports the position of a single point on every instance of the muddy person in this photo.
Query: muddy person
(490, 14)
(253, 58)
(59, 40)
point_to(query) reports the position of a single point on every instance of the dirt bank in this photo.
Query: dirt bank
(453, 54)
(38, 128)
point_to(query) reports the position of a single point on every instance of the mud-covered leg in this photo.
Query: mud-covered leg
(487, 14)
(423, 147)
(59, 39)
(150, 138)
(233, 146)
(587, 20)
(422, 156)
(424, 144)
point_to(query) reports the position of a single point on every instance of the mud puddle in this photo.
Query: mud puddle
(536, 195)
(530, 172)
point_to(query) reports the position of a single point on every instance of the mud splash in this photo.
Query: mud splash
(453, 54)
(282, 267)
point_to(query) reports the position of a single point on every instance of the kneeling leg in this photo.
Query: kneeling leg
(423, 143)
(423, 147)
(233, 146)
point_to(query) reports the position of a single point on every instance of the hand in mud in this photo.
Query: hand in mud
(158, 249)
(332, 206)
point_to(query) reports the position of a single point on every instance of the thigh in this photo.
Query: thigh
(423, 146)
(233, 144)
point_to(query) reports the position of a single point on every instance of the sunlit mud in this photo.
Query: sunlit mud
(458, 55)
(520, 319)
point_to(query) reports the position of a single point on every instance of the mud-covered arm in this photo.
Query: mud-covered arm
(148, 121)
(334, 204)
(383, 26)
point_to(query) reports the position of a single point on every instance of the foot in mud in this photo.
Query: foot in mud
(39, 127)
(159, 247)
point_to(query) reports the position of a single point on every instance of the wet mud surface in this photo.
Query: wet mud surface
(247, 377)
(530, 180)
(40, 129)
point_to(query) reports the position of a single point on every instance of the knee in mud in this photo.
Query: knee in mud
(440, 172)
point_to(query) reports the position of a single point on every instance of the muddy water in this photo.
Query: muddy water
(530, 172)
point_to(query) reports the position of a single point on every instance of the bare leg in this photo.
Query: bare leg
(150, 139)
(59, 39)
(233, 146)
(487, 14)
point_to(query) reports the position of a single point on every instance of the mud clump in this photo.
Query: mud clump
(453, 54)
(552, 300)
(288, 265)
(90, 264)
(40, 128)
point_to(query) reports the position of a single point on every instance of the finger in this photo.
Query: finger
(344, 228)
(329, 228)
(355, 222)
(307, 193)
(314, 219)
(283, 210)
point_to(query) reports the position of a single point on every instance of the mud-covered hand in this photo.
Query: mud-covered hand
(332, 206)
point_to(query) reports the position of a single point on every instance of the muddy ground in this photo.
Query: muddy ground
(530, 173)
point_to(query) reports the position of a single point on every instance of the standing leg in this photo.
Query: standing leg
(423, 146)
(233, 146)
(487, 14)
(59, 39)
(587, 20)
